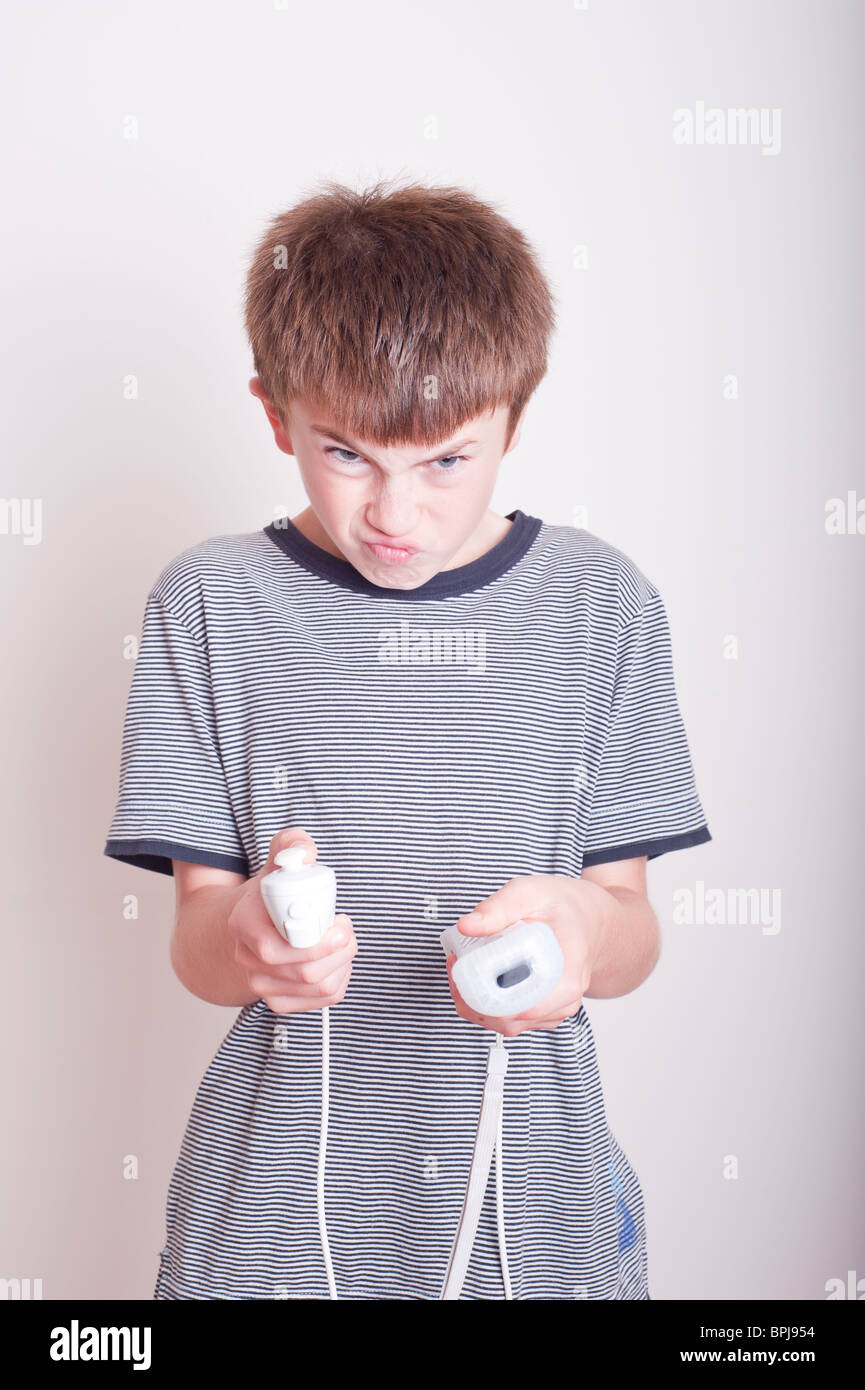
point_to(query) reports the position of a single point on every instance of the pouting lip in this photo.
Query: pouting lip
(395, 545)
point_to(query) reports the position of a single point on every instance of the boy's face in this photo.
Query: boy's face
(399, 514)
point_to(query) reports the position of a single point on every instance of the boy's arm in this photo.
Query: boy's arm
(226, 950)
(630, 934)
(202, 948)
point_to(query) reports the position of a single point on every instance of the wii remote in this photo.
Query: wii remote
(504, 974)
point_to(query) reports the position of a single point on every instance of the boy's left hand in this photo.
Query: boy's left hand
(574, 910)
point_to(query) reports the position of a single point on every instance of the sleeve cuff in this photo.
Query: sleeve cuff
(651, 848)
(158, 854)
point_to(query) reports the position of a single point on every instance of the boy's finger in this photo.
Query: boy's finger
(556, 1005)
(518, 898)
(275, 950)
(336, 971)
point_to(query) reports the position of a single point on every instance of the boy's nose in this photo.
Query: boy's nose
(393, 521)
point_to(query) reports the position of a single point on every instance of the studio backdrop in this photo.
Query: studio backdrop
(690, 176)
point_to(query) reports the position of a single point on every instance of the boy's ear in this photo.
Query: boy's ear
(280, 433)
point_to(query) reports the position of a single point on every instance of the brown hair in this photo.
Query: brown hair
(405, 311)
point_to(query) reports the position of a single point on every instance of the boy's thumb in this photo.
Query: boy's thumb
(293, 835)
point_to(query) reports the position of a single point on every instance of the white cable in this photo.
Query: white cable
(485, 1142)
(322, 1148)
(500, 1201)
(489, 1133)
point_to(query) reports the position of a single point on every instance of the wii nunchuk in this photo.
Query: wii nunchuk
(500, 975)
(301, 898)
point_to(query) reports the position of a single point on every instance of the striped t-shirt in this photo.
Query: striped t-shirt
(516, 715)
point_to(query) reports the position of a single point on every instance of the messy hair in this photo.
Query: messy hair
(404, 311)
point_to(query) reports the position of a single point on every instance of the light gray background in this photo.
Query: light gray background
(126, 257)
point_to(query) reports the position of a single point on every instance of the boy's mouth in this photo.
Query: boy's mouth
(391, 554)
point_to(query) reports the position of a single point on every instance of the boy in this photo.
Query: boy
(456, 710)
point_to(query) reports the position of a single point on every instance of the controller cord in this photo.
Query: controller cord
(487, 1139)
(500, 1201)
(489, 1133)
(322, 1149)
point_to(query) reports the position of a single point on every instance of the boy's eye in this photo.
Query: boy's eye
(448, 463)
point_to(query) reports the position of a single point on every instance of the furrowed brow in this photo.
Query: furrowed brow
(347, 444)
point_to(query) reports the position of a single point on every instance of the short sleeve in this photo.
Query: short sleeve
(645, 800)
(173, 800)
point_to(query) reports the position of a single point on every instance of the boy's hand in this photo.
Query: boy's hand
(574, 909)
(288, 979)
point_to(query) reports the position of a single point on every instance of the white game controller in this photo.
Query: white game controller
(504, 974)
(301, 898)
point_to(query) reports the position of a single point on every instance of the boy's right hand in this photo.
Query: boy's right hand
(288, 979)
